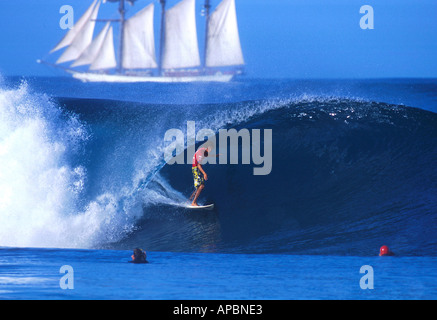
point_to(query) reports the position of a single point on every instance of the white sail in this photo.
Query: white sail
(139, 41)
(71, 34)
(91, 52)
(180, 46)
(223, 42)
(82, 39)
(105, 59)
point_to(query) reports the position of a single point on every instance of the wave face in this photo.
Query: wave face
(348, 175)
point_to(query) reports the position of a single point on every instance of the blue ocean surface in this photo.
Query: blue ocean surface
(105, 274)
(83, 181)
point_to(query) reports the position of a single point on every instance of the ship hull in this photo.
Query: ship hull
(119, 78)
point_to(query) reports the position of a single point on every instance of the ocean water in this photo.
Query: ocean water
(83, 181)
(29, 273)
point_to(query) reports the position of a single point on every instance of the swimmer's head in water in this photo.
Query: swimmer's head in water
(139, 255)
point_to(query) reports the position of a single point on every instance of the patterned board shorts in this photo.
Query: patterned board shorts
(198, 177)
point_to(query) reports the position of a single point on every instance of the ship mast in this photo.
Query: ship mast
(122, 11)
(161, 40)
(207, 7)
(120, 49)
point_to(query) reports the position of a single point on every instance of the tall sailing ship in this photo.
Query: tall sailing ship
(178, 56)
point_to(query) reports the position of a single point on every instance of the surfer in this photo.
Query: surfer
(199, 175)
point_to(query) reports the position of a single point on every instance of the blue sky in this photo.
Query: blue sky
(280, 38)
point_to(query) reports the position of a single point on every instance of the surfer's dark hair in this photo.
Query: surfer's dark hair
(140, 255)
(205, 153)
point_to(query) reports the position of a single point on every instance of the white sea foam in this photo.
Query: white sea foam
(39, 188)
(42, 193)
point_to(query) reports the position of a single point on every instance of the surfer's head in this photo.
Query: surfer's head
(206, 150)
(384, 251)
(208, 146)
(139, 255)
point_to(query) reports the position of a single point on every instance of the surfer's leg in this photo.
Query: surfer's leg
(198, 184)
(192, 195)
(198, 191)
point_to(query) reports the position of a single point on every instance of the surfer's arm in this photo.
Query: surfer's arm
(205, 176)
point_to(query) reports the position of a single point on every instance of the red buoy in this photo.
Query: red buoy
(385, 251)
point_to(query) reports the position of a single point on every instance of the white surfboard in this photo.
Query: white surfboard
(205, 207)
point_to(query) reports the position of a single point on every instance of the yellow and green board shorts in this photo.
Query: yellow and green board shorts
(197, 176)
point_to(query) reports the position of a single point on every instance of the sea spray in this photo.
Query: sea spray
(41, 187)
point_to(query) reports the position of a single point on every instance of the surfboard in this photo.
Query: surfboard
(205, 207)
